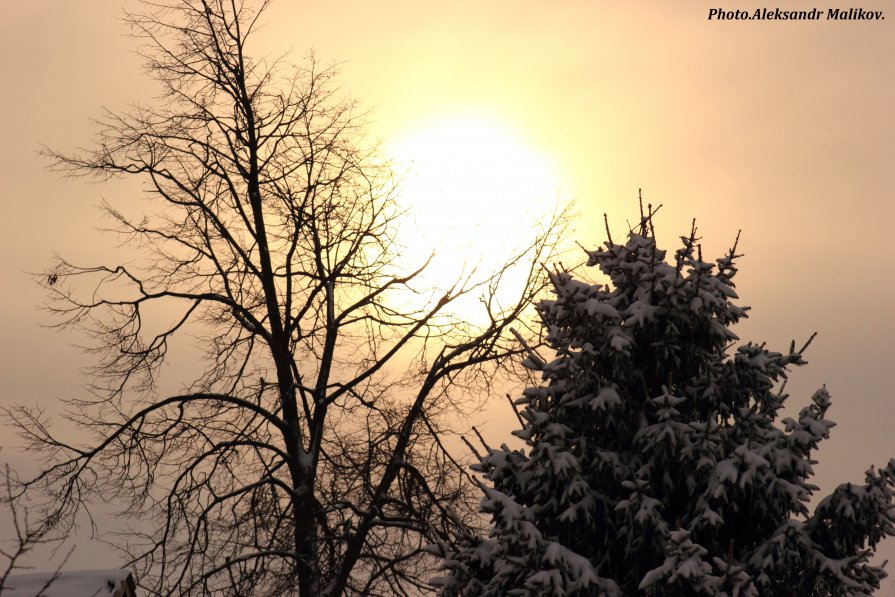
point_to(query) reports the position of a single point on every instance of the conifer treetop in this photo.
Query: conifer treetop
(656, 460)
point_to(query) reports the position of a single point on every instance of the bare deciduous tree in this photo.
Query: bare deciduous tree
(306, 457)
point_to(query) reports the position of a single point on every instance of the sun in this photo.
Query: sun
(475, 193)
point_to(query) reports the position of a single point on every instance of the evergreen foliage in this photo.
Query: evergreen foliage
(657, 462)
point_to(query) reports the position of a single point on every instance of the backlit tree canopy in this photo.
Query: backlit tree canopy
(303, 455)
(657, 461)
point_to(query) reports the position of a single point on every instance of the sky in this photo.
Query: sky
(784, 130)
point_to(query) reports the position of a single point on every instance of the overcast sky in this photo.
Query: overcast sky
(785, 130)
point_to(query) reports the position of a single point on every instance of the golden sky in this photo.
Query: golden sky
(785, 130)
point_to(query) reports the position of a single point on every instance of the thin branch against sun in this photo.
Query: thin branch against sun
(474, 191)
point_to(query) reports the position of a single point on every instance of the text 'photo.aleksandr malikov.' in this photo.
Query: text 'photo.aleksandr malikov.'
(815, 14)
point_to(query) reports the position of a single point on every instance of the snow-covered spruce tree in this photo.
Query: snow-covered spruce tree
(655, 461)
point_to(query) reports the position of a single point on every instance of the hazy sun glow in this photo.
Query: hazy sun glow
(476, 195)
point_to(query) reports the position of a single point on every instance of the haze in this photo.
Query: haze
(782, 129)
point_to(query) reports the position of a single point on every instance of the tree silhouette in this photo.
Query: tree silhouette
(656, 460)
(305, 457)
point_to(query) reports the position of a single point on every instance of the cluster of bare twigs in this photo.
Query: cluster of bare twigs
(28, 536)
